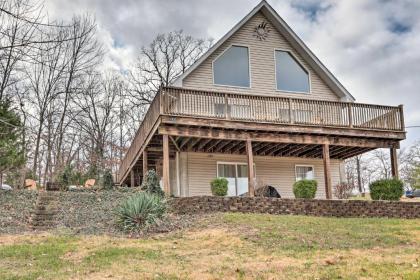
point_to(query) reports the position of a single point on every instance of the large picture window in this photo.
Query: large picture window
(290, 75)
(231, 68)
(304, 172)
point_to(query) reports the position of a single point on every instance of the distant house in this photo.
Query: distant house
(258, 108)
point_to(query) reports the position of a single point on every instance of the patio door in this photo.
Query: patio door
(237, 176)
(241, 179)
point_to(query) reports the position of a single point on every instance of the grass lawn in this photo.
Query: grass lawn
(226, 246)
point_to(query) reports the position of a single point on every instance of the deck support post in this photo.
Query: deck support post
(132, 179)
(327, 170)
(251, 175)
(166, 186)
(145, 164)
(394, 163)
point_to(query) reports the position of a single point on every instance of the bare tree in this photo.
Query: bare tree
(44, 83)
(15, 28)
(83, 53)
(167, 57)
(73, 113)
(97, 118)
(160, 63)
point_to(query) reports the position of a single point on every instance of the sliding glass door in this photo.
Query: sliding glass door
(237, 176)
(228, 171)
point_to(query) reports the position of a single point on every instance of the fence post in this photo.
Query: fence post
(160, 101)
(227, 115)
(290, 111)
(350, 113)
(402, 117)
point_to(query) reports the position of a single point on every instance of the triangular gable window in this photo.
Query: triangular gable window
(231, 68)
(290, 75)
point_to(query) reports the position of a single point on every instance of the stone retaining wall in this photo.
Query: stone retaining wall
(314, 207)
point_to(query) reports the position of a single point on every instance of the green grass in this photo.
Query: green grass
(105, 256)
(28, 260)
(303, 233)
(230, 245)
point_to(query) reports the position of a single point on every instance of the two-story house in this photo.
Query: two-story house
(258, 108)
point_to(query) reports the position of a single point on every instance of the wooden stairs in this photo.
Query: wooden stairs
(43, 217)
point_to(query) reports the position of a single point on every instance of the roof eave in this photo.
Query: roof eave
(306, 53)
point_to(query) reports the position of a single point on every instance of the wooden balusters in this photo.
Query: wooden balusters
(300, 111)
(227, 115)
(350, 114)
(147, 124)
(290, 111)
(401, 114)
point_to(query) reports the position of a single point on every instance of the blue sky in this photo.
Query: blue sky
(371, 46)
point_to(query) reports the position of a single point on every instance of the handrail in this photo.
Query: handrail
(142, 133)
(282, 110)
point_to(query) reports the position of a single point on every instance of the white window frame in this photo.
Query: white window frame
(301, 65)
(236, 163)
(304, 165)
(249, 66)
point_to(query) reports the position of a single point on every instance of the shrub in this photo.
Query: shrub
(139, 211)
(70, 176)
(65, 177)
(386, 189)
(343, 190)
(92, 173)
(151, 183)
(305, 188)
(219, 186)
(107, 180)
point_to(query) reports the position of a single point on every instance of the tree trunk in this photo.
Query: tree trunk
(359, 177)
(37, 144)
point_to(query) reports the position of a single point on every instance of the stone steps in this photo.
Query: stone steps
(43, 217)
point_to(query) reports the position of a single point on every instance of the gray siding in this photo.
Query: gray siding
(262, 65)
(275, 171)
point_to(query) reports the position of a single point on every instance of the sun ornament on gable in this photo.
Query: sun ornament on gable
(261, 31)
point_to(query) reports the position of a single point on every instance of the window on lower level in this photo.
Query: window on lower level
(304, 172)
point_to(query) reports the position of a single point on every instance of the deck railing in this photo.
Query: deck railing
(142, 133)
(281, 110)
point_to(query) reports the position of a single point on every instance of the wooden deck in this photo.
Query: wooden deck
(196, 120)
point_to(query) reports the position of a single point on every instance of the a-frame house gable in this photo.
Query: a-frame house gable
(323, 85)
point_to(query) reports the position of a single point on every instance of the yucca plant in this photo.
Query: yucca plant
(140, 211)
